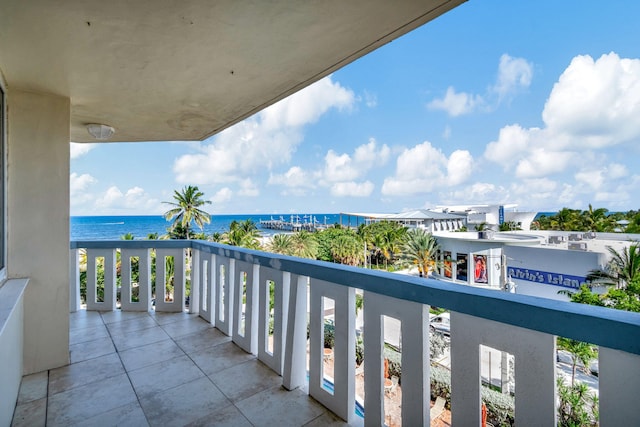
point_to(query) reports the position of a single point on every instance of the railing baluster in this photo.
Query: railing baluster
(194, 277)
(295, 355)
(74, 280)
(342, 401)
(619, 387)
(535, 369)
(206, 302)
(248, 340)
(144, 284)
(281, 291)
(177, 305)
(414, 318)
(109, 300)
(224, 285)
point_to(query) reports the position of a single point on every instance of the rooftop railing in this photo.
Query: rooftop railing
(234, 289)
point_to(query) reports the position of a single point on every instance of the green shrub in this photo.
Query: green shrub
(395, 362)
(440, 379)
(329, 335)
(500, 407)
(359, 350)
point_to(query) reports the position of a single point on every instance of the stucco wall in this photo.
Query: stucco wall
(575, 263)
(11, 346)
(38, 221)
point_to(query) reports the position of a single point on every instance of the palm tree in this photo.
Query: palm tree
(392, 239)
(127, 236)
(566, 219)
(580, 351)
(597, 219)
(186, 209)
(621, 270)
(305, 245)
(281, 244)
(345, 249)
(243, 233)
(421, 250)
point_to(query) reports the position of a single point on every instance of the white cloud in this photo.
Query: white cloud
(540, 162)
(78, 183)
(593, 106)
(368, 156)
(135, 199)
(370, 99)
(513, 74)
(459, 167)
(352, 189)
(339, 167)
(248, 188)
(596, 103)
(294, 177)
(343, 167)
(513, 142)
(223, 195)
(265, 140)
(479, 192)
(425, 168)
(79, 188)
(80, 149)
(456, 104)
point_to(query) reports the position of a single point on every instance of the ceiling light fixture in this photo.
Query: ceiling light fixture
(100, 131)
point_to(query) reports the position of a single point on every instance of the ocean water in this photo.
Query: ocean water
(114, 227)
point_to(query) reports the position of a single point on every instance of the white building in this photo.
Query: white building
(539, 263)
(492, 215)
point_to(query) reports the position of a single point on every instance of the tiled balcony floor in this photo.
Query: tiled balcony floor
(138, 369)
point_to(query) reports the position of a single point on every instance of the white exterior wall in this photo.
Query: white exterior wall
(11, 346)
(38, 222)
(492, 250)
(575, 263)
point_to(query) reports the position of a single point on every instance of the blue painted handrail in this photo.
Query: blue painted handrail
(615, 329)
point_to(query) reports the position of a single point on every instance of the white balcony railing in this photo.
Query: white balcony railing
(230, 289)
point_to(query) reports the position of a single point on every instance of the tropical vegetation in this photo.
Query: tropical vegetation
(185, 210)
(420, 249)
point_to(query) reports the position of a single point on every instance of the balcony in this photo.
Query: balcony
(220, 360)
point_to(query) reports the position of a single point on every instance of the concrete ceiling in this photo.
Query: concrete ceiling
(185, 70)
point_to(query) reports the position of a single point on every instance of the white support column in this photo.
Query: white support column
(247, 339)
(144, 284)
(414, 318)
(273, 359)
(619, 387)
(295, 354)
(177, 305)
(342, 401)
(224, 284)
(109, 300)
(535, 369)
(206, 302)
(74, 280)
(194, 276)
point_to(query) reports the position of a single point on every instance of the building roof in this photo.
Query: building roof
(418, 214)
(185, 70)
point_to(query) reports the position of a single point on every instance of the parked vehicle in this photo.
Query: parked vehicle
(441, 324)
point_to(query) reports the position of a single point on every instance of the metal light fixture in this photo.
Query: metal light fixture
(100, 131)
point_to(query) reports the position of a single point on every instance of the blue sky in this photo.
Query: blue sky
(533, 103)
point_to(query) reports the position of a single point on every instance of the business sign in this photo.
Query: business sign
(501, 215)
(547, 278)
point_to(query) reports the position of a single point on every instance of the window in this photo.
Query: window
(447, 264)
(461, 267)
